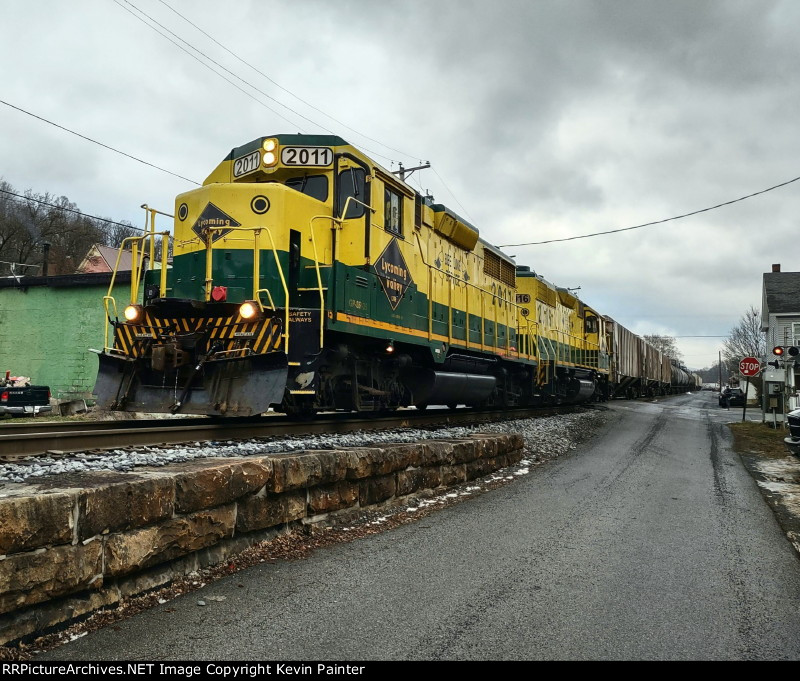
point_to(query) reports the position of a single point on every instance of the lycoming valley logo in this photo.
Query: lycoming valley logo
(393, 272)
(213, 217)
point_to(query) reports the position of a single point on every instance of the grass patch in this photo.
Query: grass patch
(759, 439)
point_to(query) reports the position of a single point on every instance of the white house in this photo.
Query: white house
(780, 320)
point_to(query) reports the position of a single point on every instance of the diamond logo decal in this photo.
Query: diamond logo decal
(393, 273)
(213, 217)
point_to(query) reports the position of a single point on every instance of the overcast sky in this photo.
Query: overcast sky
(542, 119)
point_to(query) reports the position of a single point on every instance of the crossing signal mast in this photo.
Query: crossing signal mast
(781, 351)
(779, 383)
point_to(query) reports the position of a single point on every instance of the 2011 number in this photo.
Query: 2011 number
(306, 156)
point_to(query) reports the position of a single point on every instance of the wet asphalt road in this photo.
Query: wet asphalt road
(650, 542)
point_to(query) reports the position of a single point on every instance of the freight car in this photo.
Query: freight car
(306, 277)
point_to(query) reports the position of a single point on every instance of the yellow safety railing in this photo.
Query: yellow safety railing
(483, 294)
(257, 290)
(337, 224)
(138, 248)
(319, 273)
(538, 342)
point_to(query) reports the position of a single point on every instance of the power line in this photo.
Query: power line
(93, 141)
(292, 123)
(656, 222)
(279, 86)
(71, 210)
(276, 84)
(451, 193)
(216, 63)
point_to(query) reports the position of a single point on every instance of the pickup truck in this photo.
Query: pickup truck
(19, 398)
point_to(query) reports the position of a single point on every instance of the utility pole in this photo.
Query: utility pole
(719, 365)
(403, 172)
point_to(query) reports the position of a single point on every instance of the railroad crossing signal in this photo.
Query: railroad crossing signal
(749, 366)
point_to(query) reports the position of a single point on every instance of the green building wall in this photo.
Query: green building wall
(48, 324)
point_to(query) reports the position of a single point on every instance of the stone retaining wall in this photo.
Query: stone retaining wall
(75, 543)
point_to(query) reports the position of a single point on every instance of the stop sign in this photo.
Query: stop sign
(749, 366)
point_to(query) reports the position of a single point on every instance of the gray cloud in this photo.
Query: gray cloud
(545, 119)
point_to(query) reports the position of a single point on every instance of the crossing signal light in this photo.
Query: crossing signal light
(780, 350)
(777, 350)
(793, 351)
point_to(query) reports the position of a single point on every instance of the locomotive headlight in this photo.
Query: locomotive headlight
(249, 309)
(133, 313)
(270, 159)
(270, 145)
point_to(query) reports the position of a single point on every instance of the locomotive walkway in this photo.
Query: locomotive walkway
(650, 542)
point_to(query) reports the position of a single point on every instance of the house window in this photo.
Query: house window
(393, 211)
(795, 333)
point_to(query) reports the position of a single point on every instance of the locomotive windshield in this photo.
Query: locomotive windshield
(315, 186)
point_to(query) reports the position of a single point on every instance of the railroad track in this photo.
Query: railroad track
(29, 439)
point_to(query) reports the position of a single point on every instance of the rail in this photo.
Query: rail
(60, 438)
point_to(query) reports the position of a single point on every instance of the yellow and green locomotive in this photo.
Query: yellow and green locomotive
(306, 277)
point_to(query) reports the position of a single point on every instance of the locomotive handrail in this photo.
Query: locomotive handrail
(116, 265)
(483, 293)
(319, 274)
(285, 292)
(342, 218)
(134, 284)
(338, 222)
(245, 352)
(579, 346)
(108, 319)
(257, 297)
(152, 212)
(256, 271)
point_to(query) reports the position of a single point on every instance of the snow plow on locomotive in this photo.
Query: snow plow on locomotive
(306, 277)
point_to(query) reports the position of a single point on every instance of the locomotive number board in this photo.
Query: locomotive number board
(306, 156)
(246, 164)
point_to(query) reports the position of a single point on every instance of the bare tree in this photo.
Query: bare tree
(117, 232)
(30, 221)
(746, 340)
(665, 344)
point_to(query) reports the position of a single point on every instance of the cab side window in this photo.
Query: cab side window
(392, 211)
(352, 182)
